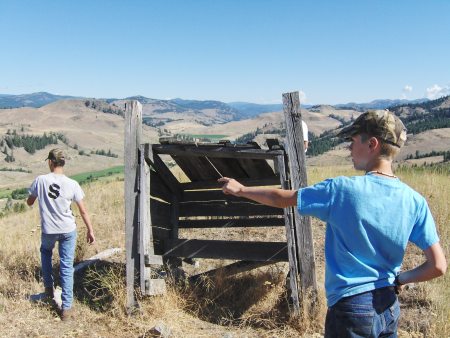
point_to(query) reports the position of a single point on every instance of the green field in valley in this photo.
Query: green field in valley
(80, 178)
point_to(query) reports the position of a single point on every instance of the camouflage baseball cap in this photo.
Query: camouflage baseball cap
(379, 123)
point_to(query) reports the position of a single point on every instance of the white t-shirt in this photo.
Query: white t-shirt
(55, 193)
(305, 131)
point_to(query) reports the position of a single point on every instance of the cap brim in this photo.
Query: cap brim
(347, 133)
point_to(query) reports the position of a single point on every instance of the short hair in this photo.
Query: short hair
(387, 150)
(57, 157)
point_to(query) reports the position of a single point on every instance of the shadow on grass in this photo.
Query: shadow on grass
(244, 299)
(101, 286)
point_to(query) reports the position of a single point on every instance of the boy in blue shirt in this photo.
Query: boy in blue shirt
(370, 220)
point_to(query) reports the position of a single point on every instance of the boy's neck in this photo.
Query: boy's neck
(57, 170)
(382, 166)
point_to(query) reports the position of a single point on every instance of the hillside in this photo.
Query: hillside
(85, 130)
(87, 126)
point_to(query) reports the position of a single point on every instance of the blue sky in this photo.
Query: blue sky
(227, 50)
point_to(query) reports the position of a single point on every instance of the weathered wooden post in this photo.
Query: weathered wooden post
(133, 131)
(296, 153)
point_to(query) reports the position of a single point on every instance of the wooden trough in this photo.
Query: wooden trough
(158, 205)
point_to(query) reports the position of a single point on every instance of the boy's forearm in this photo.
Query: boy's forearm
(277, 198)
(434, 266)
(87, 222)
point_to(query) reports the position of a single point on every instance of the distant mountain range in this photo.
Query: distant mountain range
(35, 100)
(377, 104)
(233, 110)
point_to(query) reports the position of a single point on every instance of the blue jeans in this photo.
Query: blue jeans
(370, 314)
(66, 248)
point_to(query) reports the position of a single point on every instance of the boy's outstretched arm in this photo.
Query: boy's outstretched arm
(273, 197)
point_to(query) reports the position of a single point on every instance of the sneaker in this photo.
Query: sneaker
(67, 314)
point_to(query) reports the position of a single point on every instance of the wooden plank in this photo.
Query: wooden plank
(231, 223)
(256, 169)
(220, 208)
(197, 168)
(215, 152)
(270, 181)
(133, 130)
(153, 260)
(229, 270)
(149, 286)
(158, 164)
(229, 167)
(295, 150)
(235, 250)
(210, 195)
(145, 235)
(290, 238)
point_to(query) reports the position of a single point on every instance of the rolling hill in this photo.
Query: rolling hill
(90, 129)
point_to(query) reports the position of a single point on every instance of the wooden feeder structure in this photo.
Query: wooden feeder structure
(158, 205)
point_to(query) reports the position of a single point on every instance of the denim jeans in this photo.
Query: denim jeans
(370, 314)
(66, 248)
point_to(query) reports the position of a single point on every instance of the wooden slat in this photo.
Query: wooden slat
(197, 168)
(213, 152)
(235, 250)
(271, 181)
(145, 235)
(290, 238)
(133, 130)
(210, 195)
(229, 270)
(219, 208)
(231, 223)
(158, 164)
(256, 169)
(295, 151)
(229, 167)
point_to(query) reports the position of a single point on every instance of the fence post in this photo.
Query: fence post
(295, 150)
(133, 131)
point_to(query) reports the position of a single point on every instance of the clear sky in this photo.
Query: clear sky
(334, 51)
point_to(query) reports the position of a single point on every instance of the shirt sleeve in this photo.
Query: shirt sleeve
(424, 232)
(78, 193)
(33, 189)
(316, 200)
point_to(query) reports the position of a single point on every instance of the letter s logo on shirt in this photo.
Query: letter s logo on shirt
(54, 191)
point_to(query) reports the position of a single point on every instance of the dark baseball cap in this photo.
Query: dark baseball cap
(378, 123)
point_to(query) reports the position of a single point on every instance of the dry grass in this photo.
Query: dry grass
(252, 304)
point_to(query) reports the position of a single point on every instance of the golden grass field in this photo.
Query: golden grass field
(250, 304)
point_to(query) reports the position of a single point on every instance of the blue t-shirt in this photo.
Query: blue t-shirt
(370, 220)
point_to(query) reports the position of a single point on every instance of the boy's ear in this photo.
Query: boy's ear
(373, 142)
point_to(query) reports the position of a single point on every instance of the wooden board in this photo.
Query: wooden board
(222, 208)
(215, 151)
(231, 223)
(236, 250)
(295, 151)
(197, 168)
(213, 184)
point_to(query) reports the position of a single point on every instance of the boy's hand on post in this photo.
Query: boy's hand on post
(230, 186)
